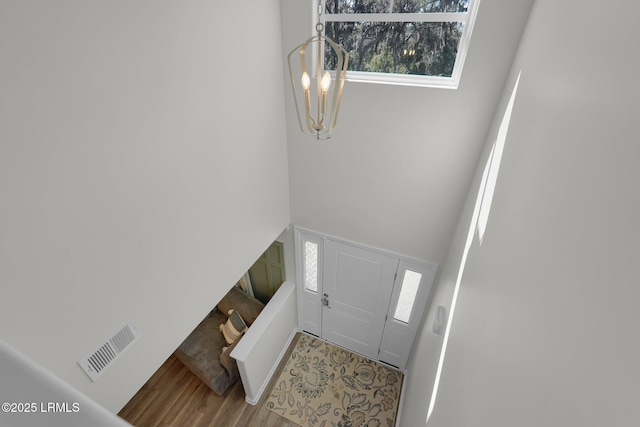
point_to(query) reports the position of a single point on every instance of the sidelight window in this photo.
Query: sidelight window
(311, 266)
(408, 292)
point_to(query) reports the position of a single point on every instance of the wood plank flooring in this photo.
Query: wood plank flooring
(174, 397)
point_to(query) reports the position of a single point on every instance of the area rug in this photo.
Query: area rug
(323, 385)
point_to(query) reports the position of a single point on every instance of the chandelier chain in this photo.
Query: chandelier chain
(319, 25)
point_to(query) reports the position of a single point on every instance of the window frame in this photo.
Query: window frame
(467, 18)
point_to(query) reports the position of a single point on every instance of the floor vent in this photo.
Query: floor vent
(96, 362)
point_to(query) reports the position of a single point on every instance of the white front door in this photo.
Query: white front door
(357, 285)
(363, 299)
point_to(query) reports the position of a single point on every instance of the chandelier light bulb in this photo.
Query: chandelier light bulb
(325, 83)
(306, 81)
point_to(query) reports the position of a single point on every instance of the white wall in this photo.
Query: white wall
(143, 169)
(262, 347)
(35, 397)
(266, 341)
(400, 163)
(546, 321)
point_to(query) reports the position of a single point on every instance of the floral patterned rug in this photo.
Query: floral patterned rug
(323, 385)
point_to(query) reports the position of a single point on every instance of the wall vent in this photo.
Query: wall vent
(96, 362)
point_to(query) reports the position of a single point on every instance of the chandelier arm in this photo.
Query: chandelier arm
(299, 48)
(319, 122)
(341, 71)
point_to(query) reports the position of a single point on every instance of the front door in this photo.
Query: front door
(358, 285)
(366, 300)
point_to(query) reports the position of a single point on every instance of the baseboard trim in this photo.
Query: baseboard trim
(254, 402)
(400, 403)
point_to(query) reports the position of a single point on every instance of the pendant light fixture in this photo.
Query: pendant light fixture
(320, 107)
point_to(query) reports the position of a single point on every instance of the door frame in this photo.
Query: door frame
(310, 303)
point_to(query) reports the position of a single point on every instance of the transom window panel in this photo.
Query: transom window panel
(311, 266)
(415, 42)
(408, 292)
(396, 6)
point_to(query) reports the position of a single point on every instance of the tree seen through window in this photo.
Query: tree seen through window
(421, 38)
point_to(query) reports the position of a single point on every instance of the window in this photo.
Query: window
(412, 42)
(408, 292)
(311, 266)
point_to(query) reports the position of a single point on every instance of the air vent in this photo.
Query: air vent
(96, 362)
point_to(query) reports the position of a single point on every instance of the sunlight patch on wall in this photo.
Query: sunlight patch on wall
(493, 166)
(479, 221)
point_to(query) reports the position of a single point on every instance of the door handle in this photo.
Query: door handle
(325, 301)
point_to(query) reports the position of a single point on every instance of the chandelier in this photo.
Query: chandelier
(320, 107)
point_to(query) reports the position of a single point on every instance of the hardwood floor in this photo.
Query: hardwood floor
(175, 397)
